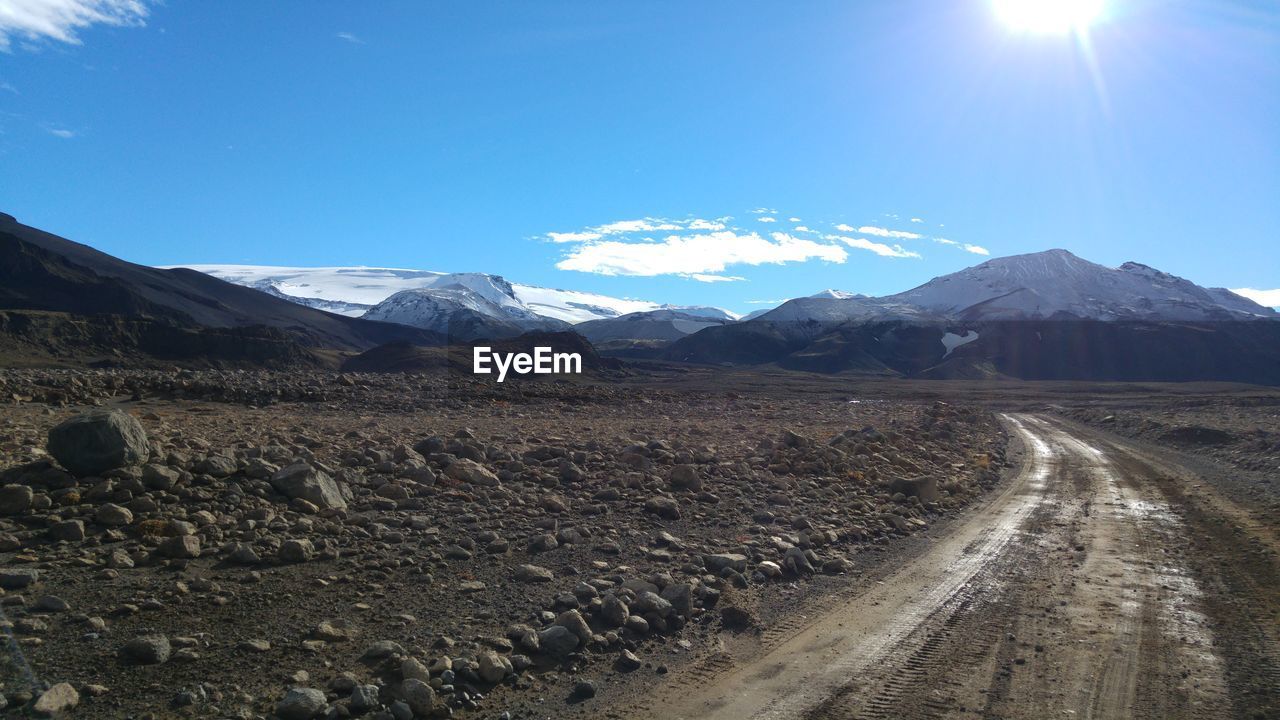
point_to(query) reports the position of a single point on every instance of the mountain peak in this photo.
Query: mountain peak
(1057, 284)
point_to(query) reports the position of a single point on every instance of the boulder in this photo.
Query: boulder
(663, 507)
(301, 704)
(420, 697)
(15, 499)
(18, 578)
(557, 641)
(98, 441)
(296, 551)
(147, 650)
(924, 487)
(300, 481)
(182, 546)
(470, 471)
(686, 477)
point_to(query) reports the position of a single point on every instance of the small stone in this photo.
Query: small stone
(147, 650)
(183, 546)
(419, 695)
(628, 661)
(57, 699)
(686, 477)
(557, 641)
(69, 530)
(296, 551)
(159, 477)
(493, 667)
(533, 573)
(718, 562)
(18, 578)
(470, 471)
(664, 507)
(15, 499)
(584, 690)
(364, 698)
(112, 515)
(52, 603)
(300, 481)
(614, 611)
(382, 649)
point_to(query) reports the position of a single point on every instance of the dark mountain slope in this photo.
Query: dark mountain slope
(41, 271)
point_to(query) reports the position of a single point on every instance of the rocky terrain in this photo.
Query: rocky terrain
(311, 544)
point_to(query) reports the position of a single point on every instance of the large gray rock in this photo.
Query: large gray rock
(147, 650)
(301, 704)
(15, 499)
(557, 641)
(470, 471)
(182, 547)
(686, 477)
(420, 696)
(18, 578)
(663, 507)
(300, 480)
(720, 561)
(98, 441)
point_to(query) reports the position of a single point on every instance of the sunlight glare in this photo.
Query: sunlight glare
(1048, 16)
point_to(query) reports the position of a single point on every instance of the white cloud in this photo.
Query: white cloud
(843, 227)
(351, 38)
(705, 225)
(794, 219)
(765, 302)
(977, 250)
(764, 210)
(629, 226)
(917, 220)
(802, 228)
(703, 277)
(574, 237)
(62, 133)
(893, 251)
(767, 219)
(695, 254)
(945, 241)
(1269, 298)
(884, 232)
(60, 20)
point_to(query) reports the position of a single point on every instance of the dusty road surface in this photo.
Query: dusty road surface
(1103, 582)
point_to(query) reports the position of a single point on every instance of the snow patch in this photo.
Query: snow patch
(951, 341)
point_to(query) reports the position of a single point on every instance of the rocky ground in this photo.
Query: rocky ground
(303, 545)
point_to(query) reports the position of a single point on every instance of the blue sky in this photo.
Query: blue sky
(656, 150)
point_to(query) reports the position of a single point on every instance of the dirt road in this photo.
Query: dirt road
(1103, 582)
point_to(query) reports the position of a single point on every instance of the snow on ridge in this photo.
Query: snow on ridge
(369, 286)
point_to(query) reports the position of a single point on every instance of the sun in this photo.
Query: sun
(1048, 16)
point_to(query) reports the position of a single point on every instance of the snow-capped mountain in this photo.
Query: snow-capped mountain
(665, 325)
(462, 312)
(354, 290)
(830, 294)
(1056, 284)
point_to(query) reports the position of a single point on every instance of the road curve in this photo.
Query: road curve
(1067, 595)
